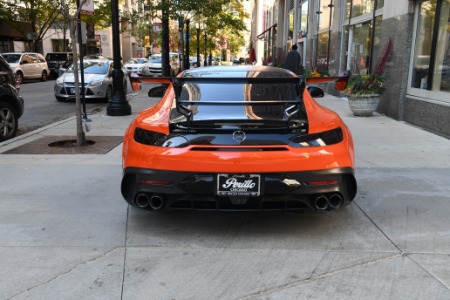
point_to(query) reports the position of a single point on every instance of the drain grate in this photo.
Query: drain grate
(96, 145)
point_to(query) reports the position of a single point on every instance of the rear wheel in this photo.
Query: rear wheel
(44, 76)
(8, 121)
(108, 95)
(19, 77)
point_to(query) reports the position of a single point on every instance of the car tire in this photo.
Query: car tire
(44, 76)
(60, 98)
(8, 121)
(19, 77)
(108, 95)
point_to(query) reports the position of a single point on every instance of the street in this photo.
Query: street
(41, 107)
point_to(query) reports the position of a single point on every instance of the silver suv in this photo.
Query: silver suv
(27, 65)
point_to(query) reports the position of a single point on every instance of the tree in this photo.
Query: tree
(73, 21)
(40, 14)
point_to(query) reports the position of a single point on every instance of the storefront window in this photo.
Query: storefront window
(431, 67)
(360, 48)
(322, 51)
(441, 76)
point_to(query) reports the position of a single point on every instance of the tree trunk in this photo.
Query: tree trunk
(81, 137)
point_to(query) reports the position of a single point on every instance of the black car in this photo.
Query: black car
(11, 103)
(57, 60)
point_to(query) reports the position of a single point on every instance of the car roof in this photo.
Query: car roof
(238, 71)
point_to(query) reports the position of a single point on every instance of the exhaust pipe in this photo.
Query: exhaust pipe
(156, 202)
(142, 200)
(321, 203)
(336, 201)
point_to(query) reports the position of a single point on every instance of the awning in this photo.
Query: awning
(260, 36)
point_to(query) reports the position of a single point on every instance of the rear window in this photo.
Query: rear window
(238, 92)
(4, 65)
(93, 68)
(12, 58)
(56, 56)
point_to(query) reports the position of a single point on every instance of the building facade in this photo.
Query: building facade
(412, 38)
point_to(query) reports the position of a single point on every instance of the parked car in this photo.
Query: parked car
(57, 61)
(135, 65)
(238, 138)
(97, 79)
(153, 67)
(193, 61)
(28, 65)
(11, 103)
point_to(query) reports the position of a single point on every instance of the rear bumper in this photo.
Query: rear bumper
(320, 190)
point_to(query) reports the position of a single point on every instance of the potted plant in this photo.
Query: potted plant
(364, 92)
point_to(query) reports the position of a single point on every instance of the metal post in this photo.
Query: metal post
(181, 39)
(118, 106)
(205, 62)
(80, 46)
(198, 45)
(186, 58)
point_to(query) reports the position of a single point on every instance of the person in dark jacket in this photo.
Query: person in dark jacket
(293, 60)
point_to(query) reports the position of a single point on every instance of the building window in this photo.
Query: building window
(6, 46)
(291, 27)
(325, 14)
(303, 18)
(362, 7)
(431, 66)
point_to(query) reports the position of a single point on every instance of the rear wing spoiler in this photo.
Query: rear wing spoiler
(183, 105)
(177, 82)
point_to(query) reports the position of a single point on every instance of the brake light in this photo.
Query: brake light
(155, 182)
(323, 182)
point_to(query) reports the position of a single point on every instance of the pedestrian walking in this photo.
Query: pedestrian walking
(293, 60)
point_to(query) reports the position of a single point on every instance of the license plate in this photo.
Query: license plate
(72, 91)
(238, 184)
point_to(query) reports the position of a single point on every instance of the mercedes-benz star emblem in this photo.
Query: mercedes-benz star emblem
(239, 136)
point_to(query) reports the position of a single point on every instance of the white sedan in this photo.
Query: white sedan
(98, 81)
(134, 65)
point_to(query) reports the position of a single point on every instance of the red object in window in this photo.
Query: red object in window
(252, 55)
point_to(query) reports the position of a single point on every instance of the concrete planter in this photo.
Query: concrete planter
(364, 105)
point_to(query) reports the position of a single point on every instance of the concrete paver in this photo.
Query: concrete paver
(66, 232)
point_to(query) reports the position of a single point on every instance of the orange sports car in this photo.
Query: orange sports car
(238, 138)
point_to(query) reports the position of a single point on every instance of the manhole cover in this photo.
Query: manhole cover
(67, 145)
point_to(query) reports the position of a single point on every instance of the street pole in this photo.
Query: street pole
(186, 59)
(198, 44)
(80, 46)
(180, 38)
(118, 106)
(205, 63)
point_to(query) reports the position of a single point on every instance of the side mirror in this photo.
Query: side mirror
(23, 62)
(315, 92)
(158, 91)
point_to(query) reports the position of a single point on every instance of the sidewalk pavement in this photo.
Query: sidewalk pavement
(66, 232)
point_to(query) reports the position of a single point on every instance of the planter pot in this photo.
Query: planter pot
(364, 105)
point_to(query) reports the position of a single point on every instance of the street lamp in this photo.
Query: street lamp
(205, 63)
(186, 58)
(198, 44)
(149, 38)
(181, 41)
(118, 106)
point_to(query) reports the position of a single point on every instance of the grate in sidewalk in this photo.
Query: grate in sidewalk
(63, 145)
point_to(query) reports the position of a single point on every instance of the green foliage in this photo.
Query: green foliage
(365, 85)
